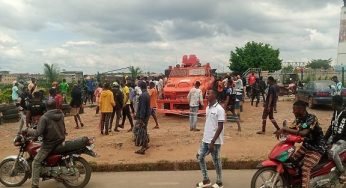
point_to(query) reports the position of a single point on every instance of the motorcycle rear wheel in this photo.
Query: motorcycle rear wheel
(84, 169)
(5, 168)
(260, 176)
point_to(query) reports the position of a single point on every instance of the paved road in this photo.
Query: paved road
(176, 179)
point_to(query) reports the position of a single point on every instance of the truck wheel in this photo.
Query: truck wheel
(10, 112)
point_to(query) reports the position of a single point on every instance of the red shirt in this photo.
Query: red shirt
(252, 79)
(58, 101)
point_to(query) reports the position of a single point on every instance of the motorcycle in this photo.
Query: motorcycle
(64, 164)
(280, 171)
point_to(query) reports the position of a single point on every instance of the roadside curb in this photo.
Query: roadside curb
(171, 166)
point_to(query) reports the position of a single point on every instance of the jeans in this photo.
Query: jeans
(127, 113)
(334, 153)
(193, 116)
(37, 165)
(105, 121)
(203, 152)
(22, 120)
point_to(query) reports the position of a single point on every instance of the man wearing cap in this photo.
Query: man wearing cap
(336, 89)
(119, 102)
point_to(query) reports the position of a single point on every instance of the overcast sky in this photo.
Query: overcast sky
(101, 35)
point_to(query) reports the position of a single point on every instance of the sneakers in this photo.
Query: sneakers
(342, 178)
(260, 132)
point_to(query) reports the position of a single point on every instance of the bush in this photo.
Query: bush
(5, 95)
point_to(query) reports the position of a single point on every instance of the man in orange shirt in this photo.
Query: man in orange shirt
(153, 102)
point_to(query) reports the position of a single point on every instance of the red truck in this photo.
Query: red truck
(180, 81)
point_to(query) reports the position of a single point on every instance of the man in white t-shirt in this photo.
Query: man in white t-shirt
(212, 140)
(195, 98)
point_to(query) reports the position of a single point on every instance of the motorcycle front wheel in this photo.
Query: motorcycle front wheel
(14, 178)
(264, 178)
(81, 173)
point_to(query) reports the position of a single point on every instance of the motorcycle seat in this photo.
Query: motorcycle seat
(324, 160)
(71, 145)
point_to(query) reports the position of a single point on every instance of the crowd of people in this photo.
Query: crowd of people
(136, 100)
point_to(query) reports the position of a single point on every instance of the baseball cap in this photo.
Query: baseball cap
(115, 84)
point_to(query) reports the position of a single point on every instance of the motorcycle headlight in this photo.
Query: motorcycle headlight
(283, 137)
(18, 140)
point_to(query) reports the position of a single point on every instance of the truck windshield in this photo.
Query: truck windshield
(179, 73)
(197, 72)
(187, 72)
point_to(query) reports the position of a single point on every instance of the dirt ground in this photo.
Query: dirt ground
(173, 141)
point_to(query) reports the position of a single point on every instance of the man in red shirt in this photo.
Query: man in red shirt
(252, 79)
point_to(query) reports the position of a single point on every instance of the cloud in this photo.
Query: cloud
(101, 35)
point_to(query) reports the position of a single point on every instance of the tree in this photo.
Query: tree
(51, 72)
(255, 55)
(319, 63)
(135, 71)
(288, 69)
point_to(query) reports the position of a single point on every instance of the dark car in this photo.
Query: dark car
(317, 93)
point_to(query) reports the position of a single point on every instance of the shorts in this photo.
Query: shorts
(237, 105)
(266, 113)
(153, 111)
(239, 97)
(74, 111)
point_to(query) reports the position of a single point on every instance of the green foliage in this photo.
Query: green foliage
(255, 55)
(320, 63)
(5, 93)
(135, 71)
(288, 69)
(326, 78)
(51, 71)
(307, 79)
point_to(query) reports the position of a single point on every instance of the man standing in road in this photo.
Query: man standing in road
(153, 103)
(336, 89)
(269, 106)
(263, 87)
(126, 108)
(63, 86)
(142, 117)
(212, 140)
(118, 98)
(15, 94)
(195, 98)
(52, 129)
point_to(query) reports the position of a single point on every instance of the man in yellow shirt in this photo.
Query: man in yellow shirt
(126, 108)
(106, 107)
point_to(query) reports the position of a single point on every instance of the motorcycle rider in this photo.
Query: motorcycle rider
(314, 147)
(336, 134)
(52, 129)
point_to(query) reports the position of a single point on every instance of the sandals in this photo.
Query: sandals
(140, 152)
(217, 186)
(202, 185)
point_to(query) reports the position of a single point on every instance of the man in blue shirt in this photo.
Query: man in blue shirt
(15, 94)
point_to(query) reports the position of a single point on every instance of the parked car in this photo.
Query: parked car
(317, 93)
